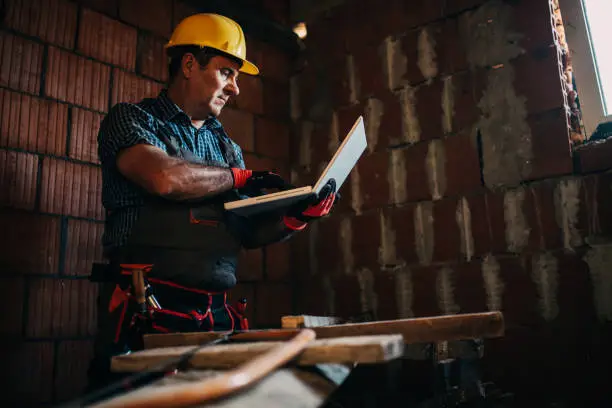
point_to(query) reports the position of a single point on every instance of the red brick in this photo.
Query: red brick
(462, 166)
(109, 7)
(594, 156)
(370, 70)
(278, 265)
(420, 12)
(152, 15)
(319, 34)
(308, 84)
(12, 302)
(552, 235)
(328, 253)
(481, 232)
(373, 180)
(497, 222)
(21, 65)
(152, 58)
(470, 293)
(277, 10)
(447, 235)
(410, 48)
(128, 87)
(389, 20)
(83, 247)
(402, 221)
(71, 374)
(575, 290)
(273, 300)
(62, 307)
(54, 21)
(425, 301)
(254, 162)
(75, 79)
(239, 126)
(310, 298)
(18, 172)
(598, 196)
(244, 291)
(417, 186)
(272, 138)
(552, 151)
(495, 209)
(182, 10)
(276, 100)
(429, 109)
(275, 64)
(34, 244)
(533, 20)
(391, 128)
(520, 296)
(466, 112)
(385, 288)
(357, 31)
(84, 135)
(347, 295)
(366, 239)
(538, 79)
(251, 94)
(33, 124)
(250, 265)
(118, 45)
(27, 373)
(71, 189)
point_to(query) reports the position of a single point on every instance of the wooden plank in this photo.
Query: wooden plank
(416, 330)
(342, 350)
(286, 387)
(295, 322)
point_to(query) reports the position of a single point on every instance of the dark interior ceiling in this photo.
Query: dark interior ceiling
(257, 23)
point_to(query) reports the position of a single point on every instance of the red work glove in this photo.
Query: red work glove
(301, 214)
(258, 180)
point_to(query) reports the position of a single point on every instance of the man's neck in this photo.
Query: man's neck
(182, 102)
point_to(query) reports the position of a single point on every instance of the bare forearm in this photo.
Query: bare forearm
(184, 181)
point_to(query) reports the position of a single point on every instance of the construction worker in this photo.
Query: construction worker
(168, 166)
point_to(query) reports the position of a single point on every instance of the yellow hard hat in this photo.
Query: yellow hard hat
(214, 31)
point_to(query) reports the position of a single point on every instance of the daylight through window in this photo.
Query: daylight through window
(598, 14)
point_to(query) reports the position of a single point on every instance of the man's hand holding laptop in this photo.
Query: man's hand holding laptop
(312, 208)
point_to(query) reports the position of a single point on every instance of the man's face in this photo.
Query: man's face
(212, 85)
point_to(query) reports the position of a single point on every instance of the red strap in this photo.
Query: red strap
(293, 223)
(120, 323)
(240, 176)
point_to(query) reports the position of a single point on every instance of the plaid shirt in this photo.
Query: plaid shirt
(128, 124)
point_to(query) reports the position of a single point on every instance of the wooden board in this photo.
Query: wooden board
(284, 388)
(343, 350)
(417, 330)
(295, 322)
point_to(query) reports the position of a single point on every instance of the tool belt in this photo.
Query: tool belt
(167, 307)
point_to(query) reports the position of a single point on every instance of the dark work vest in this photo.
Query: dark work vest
(195, 238)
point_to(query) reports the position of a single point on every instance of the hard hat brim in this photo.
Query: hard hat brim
(249, 68)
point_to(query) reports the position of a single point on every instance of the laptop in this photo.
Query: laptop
(339, 167)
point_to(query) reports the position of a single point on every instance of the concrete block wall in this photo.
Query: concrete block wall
(468, 198)
(63, 65)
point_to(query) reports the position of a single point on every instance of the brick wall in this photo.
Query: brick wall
(467, 198)
(63, 65)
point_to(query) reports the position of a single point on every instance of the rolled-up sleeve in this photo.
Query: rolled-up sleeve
(126, 125)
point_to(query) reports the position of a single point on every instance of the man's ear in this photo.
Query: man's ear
(187, 64)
